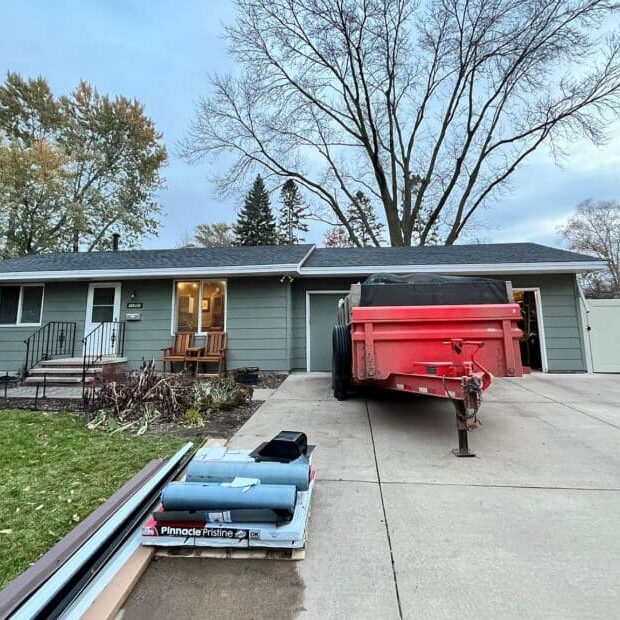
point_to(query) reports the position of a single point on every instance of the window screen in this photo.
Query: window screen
(31, 304)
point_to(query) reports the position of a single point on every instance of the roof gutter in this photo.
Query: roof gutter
(298, 269)
(133, 274)
(470, 269)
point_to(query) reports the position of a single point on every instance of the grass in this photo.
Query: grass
(53, 473)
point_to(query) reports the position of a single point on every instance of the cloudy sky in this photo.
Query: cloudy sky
(162, 53)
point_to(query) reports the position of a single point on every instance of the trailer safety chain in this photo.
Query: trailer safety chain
(472, 387)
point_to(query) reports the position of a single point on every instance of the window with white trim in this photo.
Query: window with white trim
(21, 305)
(200, 306)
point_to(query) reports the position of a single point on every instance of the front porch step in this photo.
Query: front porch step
(64, 370)
(79, 361)
(55, 380)
(68, 370)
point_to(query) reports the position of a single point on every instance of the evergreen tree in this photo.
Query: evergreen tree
(292, 213)
(255, 224)
(364, 221)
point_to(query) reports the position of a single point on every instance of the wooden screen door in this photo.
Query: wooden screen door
(103, 307)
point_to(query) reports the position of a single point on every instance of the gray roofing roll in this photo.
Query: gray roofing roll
(197, 496)
(296, 473)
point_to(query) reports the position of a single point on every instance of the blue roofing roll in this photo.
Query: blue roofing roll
(199, 496)
(296, 473)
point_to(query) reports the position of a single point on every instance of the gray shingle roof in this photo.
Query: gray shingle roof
(478, 254)
(184, 258)
(287, 259)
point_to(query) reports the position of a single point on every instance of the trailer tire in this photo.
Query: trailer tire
(341, 362)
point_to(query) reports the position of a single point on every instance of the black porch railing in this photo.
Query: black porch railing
(54, 339)
(107, 339)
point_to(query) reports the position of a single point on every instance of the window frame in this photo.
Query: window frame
(201, 281)
(20, 304)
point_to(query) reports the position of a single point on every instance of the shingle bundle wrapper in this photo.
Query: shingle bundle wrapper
(199, 496)
(295, 473)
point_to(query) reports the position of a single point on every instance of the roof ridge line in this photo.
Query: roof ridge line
(306, 257)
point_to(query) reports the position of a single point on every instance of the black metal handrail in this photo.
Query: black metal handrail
(54, 339)
(108, 338)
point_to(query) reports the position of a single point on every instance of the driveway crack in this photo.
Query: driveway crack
(385, 518)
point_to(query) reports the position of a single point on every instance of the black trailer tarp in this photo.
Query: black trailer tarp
(425, 289)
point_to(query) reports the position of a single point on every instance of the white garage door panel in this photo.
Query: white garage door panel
(604, 321)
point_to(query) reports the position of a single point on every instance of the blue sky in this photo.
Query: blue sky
(162, 52)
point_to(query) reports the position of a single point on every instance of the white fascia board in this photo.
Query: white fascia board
(475, 269)
(133, 274)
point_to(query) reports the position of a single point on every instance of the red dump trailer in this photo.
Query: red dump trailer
(439, 348)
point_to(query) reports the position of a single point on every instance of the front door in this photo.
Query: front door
(103, 307)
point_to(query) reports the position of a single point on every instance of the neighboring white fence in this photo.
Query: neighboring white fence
(604, 334)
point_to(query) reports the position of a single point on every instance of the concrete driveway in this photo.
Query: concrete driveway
(400, 528)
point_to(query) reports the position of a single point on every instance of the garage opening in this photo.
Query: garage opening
(532, 341)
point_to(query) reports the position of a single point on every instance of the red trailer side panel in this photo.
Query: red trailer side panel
(395, 340)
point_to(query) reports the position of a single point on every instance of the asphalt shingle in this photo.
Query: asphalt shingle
(478, 254)
(290, 256)
(165, 259)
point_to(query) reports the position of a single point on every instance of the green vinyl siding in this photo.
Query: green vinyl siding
(266, 320)
(144, 339)
(257, 323)
(559, 299)
(62, 301)
(256, 315)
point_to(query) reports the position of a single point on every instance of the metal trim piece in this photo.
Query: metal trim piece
(34, 606)
(22, 586)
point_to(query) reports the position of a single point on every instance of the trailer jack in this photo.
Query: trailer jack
(462, 430)
(466, 421)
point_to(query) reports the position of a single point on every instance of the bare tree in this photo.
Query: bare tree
(595, 228)
(337, 237)
(216, 235)
(429, 106)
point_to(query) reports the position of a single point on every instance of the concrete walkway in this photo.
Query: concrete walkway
(400, 528)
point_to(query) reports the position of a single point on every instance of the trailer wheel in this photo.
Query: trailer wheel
(341, 361)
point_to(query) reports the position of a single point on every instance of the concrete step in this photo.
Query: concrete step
(63, 370)
(54, 380)
(72, 362)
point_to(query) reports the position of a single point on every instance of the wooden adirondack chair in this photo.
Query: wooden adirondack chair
(178, 351)
(214, 352)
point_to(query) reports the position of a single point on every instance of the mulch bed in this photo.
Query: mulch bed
(43, 404)
(217, 423)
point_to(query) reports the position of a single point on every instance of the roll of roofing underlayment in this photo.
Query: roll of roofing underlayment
(296, 473)
(249, 515)
(199, 496)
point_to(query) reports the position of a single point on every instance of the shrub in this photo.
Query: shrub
(221, 394)
(193, 417)
(144, 396)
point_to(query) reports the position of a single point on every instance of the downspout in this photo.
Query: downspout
(289, 325)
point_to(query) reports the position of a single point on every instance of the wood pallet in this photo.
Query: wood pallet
(255, 553)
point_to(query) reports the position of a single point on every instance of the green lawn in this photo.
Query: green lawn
(53, 473)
